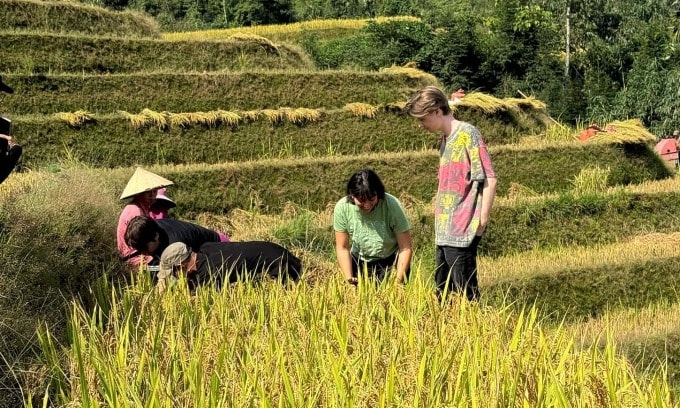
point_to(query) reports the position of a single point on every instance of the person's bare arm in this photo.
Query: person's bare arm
(488, 195)
(342, 252)
(404, 255)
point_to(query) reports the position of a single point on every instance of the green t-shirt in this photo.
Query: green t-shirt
(373, 235)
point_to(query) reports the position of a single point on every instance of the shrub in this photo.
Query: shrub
(57, 235)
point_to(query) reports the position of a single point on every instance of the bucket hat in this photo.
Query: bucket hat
(162, 195)
(173, 256)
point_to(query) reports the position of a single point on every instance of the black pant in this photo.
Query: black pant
(9, 159)
(377, 269)
(457, 270)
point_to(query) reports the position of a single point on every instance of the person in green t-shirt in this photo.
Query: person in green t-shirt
(376, 225)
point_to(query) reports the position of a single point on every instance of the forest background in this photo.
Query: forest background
(589, 60)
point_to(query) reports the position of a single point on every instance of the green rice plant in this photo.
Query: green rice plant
(591, 180)
(286, 149)
(558, 132)
(244, 61)
(334, 346)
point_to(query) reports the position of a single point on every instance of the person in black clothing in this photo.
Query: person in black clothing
(150, 237)
(10, 151)
(227, 262)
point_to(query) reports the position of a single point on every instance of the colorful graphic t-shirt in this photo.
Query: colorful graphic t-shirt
(464, 164)
(374, 234)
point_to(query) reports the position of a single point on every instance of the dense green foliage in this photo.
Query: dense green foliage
(180, 92)
(29, 53)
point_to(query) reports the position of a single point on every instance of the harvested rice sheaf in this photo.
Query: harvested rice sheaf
(75, 119)
(274, 115)
(256, 39)
(300, 115)
(362, 110)
(411, 73)
(626, 131)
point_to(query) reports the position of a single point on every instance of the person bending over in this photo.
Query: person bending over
(10, 153)
(149, 237)
(227, 262)
(376, 224)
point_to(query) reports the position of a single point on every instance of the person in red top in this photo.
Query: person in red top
(467, 187)
(142, 188)
(589, 132)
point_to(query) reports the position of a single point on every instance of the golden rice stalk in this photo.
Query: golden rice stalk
(411, 73)
(155, 118)
(395, 107)
(626, 131)
(250, 116)
(278, 29)
(274, 115)
(256, 39)
(518, 190)
(301, 115)
(137, 121)
(211, 118)
(362, 110)
(228, 117)
(179, 119)
(559, 133)
(591, 180)
(311, 115)
(77, 118)
(528, 102)
(485, 103)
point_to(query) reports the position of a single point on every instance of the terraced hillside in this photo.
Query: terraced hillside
(259, 145)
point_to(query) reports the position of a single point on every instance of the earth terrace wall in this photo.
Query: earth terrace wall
(36, 94)
(72, 17)
(574, 294)
(314, 183)
(29, 53)
(112, 141)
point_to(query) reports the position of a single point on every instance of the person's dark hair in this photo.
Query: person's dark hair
(363, 185)
(140, 231)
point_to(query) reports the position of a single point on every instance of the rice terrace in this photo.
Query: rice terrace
(578, 269)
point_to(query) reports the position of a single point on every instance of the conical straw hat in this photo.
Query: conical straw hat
(142, 181)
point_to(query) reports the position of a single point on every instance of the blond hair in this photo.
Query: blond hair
(427, 100)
